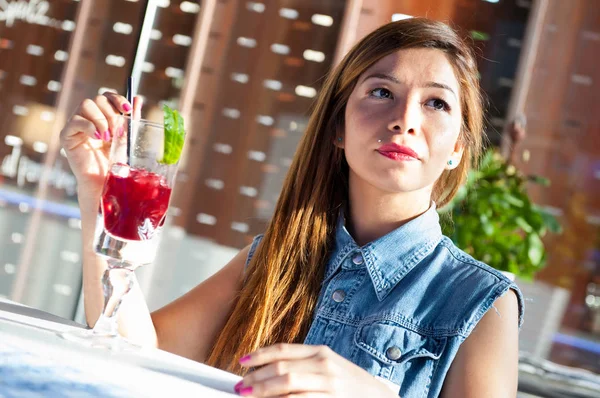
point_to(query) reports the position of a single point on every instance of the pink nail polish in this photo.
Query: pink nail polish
(238, 386)
(107, 135)
(127, 107)
(245, 359)
(97, 135)
(245, 391)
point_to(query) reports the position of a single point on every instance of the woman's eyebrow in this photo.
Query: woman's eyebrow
(393, 79)
(384, 76)
(440, 85)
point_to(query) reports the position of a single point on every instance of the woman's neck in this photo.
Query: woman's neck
(373, 213)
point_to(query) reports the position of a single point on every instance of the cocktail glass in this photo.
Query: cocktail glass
(133, 207)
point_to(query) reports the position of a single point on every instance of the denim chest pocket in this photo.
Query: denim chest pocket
(396, 353)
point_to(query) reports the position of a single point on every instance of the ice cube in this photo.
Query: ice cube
(120, 170)
(141, 177)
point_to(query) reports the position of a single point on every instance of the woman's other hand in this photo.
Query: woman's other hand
(297, 370)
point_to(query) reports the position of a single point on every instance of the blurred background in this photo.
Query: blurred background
(244, 74)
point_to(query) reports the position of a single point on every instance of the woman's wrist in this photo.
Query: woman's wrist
(89, 200)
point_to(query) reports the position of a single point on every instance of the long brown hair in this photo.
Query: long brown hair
(284, 277)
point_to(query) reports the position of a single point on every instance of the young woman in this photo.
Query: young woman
(352, 291)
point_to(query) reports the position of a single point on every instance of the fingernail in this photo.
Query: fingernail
(245, 359)
(97, 135)
(238, 386)
(127, 107)
(106, 135)
(245, 391)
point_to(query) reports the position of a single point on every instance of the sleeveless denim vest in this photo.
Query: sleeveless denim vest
(401, 306)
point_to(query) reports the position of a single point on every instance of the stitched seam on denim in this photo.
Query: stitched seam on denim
(410, 324)
(311, 332)
(370, 350)
(502, 280)
(375, 353)
(357, 281)
(521, 302)
(490, 301)
(338, 260)
(392, 376)
(354, 352)
(435, 366)
(414, 260)
(349, 265)
(375, 273)
(471, 261)
(386, 372)
(399, 320)
(381, 356)
(384, 359)
(331, 315)
(329, 333)
(499, 290)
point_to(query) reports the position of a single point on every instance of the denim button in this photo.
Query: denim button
(393, 353)
(338, 296)
(357, 259)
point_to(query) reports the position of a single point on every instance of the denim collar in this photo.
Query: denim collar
(391, 257)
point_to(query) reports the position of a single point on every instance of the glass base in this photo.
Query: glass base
(89, 338)
(127, 253)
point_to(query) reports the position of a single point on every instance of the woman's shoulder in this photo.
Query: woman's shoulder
(459, 291)
(253, 246)
(461, 258)
(467, 277)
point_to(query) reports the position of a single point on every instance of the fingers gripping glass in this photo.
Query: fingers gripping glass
(133, 207)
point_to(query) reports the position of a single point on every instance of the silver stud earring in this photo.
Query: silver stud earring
(450, 162)
(379, 141)
(340, 139)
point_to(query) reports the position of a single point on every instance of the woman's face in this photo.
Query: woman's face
(402, 122)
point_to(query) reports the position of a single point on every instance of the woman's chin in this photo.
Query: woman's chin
(396, 186)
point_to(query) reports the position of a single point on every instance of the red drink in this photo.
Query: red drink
(134, 202)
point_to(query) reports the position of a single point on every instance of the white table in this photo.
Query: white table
(36, 362)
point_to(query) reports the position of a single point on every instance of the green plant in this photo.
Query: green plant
(493, 218)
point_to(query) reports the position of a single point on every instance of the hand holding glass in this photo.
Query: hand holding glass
(133, 207)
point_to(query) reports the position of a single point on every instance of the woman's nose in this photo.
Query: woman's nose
(407, 120)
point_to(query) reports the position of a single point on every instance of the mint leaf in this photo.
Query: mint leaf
(174, 136)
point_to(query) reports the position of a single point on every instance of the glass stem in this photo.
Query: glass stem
(116, 283)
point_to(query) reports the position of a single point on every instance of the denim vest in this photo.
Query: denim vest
(400, 306)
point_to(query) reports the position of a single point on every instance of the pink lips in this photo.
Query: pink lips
(397, 152)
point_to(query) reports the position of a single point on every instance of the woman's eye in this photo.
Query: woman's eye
(381, 93)
(438, 104)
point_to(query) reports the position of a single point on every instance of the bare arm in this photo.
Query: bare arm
(190, 325)
(486, 364)
(187, 326)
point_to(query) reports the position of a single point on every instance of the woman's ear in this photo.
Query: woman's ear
(456, 155)
(339, 136)
(338, 141)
